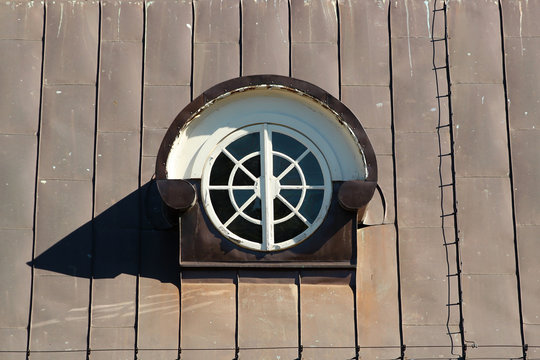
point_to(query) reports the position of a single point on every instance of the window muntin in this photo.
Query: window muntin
(266, 187)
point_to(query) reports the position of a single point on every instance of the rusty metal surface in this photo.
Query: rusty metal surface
(376, 291)
(418, 204)
(267, 312)
(71, 42)
(17, 180)
(21, 20)
(111, 338)
(482, 300)
(67, 146)
(327, 313)
(120, 86)
(530, 268)
(364, 43)
(159, 303)
(63, 207)
(14, 279)
(478, 58)
(526, 170)
(214, 63)
(202, 245)
(217, 21)
(252, 37)
(122, 21)
(163, 103)
(480, 150)
(316, 63)
(166, 62)
(208, 318)
(60, 320)
(487, 240)
(21, 82)
(265, 37)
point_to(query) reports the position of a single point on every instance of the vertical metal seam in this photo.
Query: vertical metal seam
(290, 36)
(240, 34)
(36, 181)
(192, 49)
(94, 163)
(396, 223)
(299, 306)
(236, 300)
(511, 178)
(338, 41)
(140, 193)
(454, 190)
(180, 273)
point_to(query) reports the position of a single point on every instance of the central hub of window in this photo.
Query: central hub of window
(266, 187)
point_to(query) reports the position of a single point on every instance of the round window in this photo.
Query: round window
(266, 187)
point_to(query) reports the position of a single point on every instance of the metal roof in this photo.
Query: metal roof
(449, 99)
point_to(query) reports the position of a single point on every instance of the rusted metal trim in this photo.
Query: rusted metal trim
(176, 193)
(215, 265)
(240, 84)
(355, 195)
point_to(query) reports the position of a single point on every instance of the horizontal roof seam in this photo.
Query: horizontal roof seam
(482, 176)
(118, 132)
(60, 179)
(168, 85)
(430, 324)
(16, 228)
(217, 42)
(415, 132)
(521, 37)
(476, 83)
(69, 84)
(424, 227)
(21, 39)
(526, 224)
(486, 274)
(365, 85)
(523, 129)
(314, 42)
(19, 134)
(121, 40)
(412, 37)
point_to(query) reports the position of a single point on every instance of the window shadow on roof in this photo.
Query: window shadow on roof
(120, 240)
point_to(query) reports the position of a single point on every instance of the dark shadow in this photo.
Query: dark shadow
(121, 240)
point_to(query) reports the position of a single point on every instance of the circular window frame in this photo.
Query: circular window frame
(304, 89)
(267, 221)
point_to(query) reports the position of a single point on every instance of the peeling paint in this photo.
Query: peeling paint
(61, 17)
(408, 36)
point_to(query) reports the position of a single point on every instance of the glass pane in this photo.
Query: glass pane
(245, 145)
(221, 170)
(312, 170)
(241, 178)
(246, 230)
(288, 229)
(292, 196)
(279, 165)
(292, 178)
(280, 209)
(254, 165)
(241, 196)
(287, 145)
(222, 204)
(254, 209)
(312, 204)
